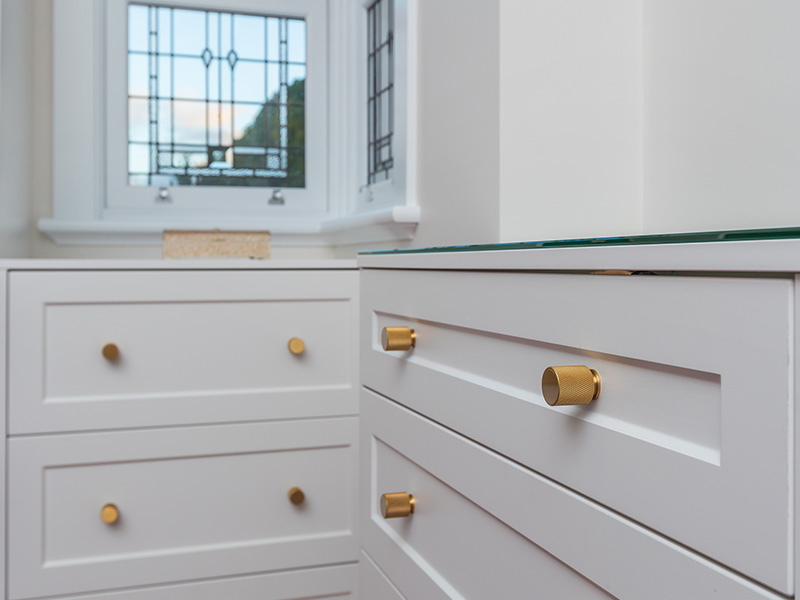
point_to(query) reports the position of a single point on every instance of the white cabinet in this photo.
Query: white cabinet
(676, 482)
(227, 390)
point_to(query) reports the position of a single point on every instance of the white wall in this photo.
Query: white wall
(722, 114)
(632, 116)
(570, 118)
(15, 121)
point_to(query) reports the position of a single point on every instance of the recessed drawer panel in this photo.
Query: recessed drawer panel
(692, 371)
(109, 510)
(324, 583)
(103, 350)
(476, 516)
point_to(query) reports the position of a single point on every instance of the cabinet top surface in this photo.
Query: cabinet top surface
(761, 250)
(176, 265)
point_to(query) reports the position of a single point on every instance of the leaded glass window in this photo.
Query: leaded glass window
(215, 98)
(380, 85)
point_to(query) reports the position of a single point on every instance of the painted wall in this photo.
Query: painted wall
(15, 123)
(570, 118)
(722, 114)
(627, 116)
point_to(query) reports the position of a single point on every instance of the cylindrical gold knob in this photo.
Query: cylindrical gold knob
(296, 495)
(109, 514)
(398, 338)
(296, 346)
(399, 504)
(110, 351)
(563, 386)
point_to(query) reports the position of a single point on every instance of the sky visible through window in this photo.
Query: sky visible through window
(215, 98)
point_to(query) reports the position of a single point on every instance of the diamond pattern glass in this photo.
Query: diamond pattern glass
(215, 98)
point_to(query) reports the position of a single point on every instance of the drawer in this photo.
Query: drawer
(325, 583)
(486, 527)
(194, 347)
(194, 502)
(690, 434)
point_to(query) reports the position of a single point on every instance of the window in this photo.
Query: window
(216, 111)
(193, 113)
(380, 78)
(215, 98)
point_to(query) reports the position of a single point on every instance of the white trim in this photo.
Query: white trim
(312, 199)
(394, 223)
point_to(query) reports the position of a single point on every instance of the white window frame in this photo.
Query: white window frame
(121, 198)
(402, 180)
(353, 213)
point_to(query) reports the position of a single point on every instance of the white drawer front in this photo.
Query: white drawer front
(325, 583)
(193, 503)
(485, 527)
(694, 371)
(193, 347)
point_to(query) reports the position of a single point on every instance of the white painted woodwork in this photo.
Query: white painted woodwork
(320, 584)
(194, 503)
(486, 527)
(691, 433)
(372, 583)
(195, 347)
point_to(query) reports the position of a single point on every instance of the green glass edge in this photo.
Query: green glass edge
(737, 235)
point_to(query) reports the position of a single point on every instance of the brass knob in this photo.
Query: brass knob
(563, 386)
(296, 496)
(110, 351)
(109, 514)
(398, 338)
(396, 505)
(296, 346)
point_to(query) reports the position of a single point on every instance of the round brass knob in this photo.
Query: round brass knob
(296, 346)
(399, 504)
(110, 351)
(398, 338)
(109, 514)
(296, 496)
(563, 386)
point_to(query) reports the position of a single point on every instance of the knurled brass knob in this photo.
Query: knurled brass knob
(297, 346)
(564, 386)
(296, 496)
(109, 514)
(398, 338)
(395, 505)
(110, 351)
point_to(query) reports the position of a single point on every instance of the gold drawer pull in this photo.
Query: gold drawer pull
(109, 514)
(564, 386)
(296, 346)
(110, 352)
(399, 504)
(398, 338)
(296, 496)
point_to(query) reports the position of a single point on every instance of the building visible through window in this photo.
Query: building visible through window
(380, 86)
(215, 98)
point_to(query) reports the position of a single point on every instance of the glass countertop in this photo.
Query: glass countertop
(736, 235)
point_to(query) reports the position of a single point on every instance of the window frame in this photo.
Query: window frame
(355, 214)
(121, 198)
(401, 186)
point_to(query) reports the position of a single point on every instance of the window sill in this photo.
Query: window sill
(389, 224)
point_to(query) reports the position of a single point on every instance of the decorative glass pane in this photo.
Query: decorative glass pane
(215, 98)
(380, 86)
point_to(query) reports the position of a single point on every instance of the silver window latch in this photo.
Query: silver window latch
(277, 197)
